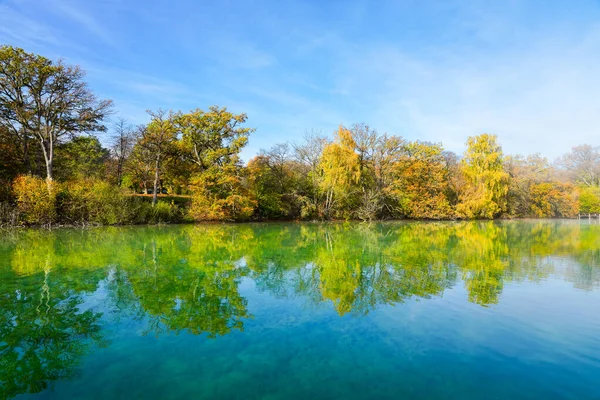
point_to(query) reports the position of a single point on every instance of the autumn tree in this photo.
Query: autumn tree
(340, 169)
(553, 200)
(421, 182)
(484, 195)
(45, 102)
(524, 172)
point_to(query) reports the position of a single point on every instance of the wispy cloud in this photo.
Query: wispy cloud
(435, 70)
(83, 18)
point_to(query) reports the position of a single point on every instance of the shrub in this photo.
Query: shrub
(35, 199)
(234, 207)
(91, 201)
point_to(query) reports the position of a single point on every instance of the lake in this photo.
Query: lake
(452, 310)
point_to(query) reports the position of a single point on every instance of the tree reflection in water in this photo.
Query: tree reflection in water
(187, 278)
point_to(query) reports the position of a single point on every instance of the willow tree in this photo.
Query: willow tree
(43, 101)
(484, 195)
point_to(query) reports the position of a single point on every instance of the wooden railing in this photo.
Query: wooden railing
(589, 216)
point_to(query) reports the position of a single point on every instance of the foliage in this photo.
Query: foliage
(48, 116)
(589, 200)
(340, 171)
(43, 101)
(553, 199)
(422, 182)
(81, 157)
(35, 202)
(213, 137)
(486, 181)
(218, 195)
(91, 201)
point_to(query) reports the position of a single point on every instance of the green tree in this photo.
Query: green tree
(214, 137)
(589, 200)
(81, 157)
(45, 101)
(276, 183)
(212, 141)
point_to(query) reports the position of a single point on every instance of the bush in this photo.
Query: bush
(92, 202)
(35, 199)
(232, 208)
(80, 202)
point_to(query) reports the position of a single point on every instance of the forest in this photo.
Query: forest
(185, 166)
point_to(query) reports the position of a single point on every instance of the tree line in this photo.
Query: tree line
(54, 168)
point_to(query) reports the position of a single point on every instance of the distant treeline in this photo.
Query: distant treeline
(54, 170)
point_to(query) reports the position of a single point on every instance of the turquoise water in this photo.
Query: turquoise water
(470, 310)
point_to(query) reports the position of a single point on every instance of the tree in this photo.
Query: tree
(158, 139)
(123, 141)
(340, 166)
(276, 183)
(524, 172)
(486, 182)
(212, 141)
(138, 167)
(583, 164)
(308, 158)
(213, 137)
(422, 182)
(376, 156)
(46, 101)
(553, 200)
(82, 157)
(589, 200)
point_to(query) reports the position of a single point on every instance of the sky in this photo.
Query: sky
(438, 71)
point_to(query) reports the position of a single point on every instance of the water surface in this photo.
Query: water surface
(470, 310)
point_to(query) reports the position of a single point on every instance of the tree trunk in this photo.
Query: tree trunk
(154, 194)
(119, 171)
(48, 159)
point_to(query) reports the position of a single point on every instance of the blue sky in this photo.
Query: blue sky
(440, 71)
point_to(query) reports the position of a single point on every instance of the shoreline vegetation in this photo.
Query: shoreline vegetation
(186, 166)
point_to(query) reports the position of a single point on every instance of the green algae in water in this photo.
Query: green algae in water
(464, 310)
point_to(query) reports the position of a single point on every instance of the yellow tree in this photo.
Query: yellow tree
(421, 181)
(484, 195)
(340, 169)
